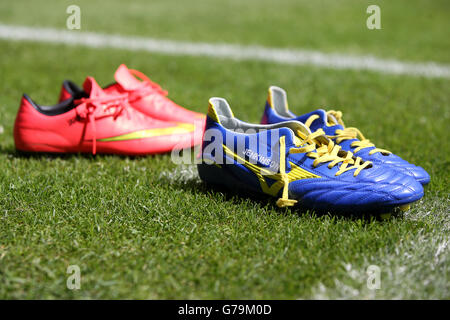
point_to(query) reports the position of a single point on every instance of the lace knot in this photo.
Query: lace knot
(91, 109)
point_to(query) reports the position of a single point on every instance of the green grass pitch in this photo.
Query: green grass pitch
(146, 228)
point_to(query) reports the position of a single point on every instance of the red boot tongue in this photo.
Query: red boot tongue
(92, 88)
(127, 80)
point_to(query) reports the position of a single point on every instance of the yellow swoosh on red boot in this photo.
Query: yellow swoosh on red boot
(180, 128)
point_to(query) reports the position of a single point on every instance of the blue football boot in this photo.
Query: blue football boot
(287, 161)
(350, 139)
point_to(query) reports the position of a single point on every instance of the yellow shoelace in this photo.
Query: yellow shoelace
(348, 134)
(326, 151)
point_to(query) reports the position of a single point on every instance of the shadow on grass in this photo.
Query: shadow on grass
(195, 185)
(260, 200)
(53, 155)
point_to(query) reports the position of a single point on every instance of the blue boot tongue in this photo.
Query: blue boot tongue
(325, 121)
(322, 116)
(318, 123)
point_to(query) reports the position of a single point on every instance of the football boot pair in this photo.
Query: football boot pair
(132, 116)
(289, 161)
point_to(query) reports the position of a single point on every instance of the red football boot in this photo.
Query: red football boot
(93, 121)
(146, 97)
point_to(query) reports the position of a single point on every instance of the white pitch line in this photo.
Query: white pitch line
(230, 51)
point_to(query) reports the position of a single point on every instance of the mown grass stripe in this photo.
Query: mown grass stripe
(229, 51)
